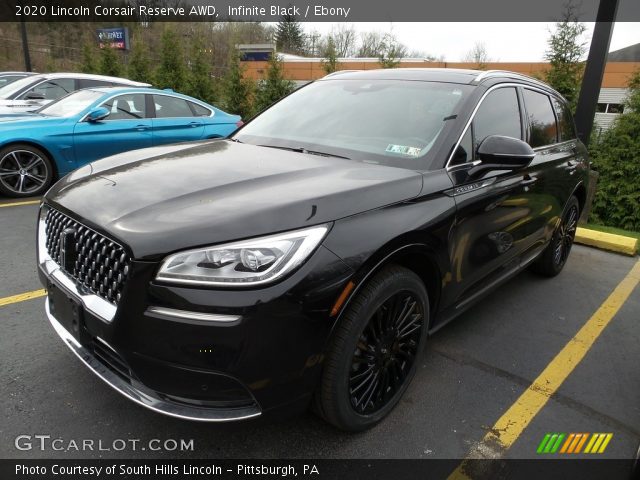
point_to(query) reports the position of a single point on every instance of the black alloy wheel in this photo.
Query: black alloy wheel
(374, 351)
(553, 259)
(385, 352)
(565, 235)
(24, 171)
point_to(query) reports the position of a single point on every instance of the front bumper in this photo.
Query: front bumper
(196, 353)
(138, 393)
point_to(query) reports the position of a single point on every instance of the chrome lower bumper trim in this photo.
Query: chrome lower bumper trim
(194, 318)
(144, 396)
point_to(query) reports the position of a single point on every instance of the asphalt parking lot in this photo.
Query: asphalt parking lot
(473, 371)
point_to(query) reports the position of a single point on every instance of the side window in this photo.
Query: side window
(169, 107)
(565, 120)
(90, 83)
(7, 79)
(126, 107)
(199, 110)
(499, 114)
(464, 152)
(53, 89)
(542, 121)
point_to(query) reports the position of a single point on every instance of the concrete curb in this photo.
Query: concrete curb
(607, 241)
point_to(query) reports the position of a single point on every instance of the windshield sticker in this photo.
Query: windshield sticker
(403, 150)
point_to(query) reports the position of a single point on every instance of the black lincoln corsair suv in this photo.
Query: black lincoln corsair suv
(305, 260)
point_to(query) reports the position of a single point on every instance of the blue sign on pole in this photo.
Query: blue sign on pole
(117, 38)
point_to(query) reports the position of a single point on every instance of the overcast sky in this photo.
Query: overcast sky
(504, 42)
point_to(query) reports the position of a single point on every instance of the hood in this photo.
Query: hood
(17, 106)
(26, 119)
(177, 197)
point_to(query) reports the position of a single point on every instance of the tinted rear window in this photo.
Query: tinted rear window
(542, 120)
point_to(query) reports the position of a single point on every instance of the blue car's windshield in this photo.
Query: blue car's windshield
(72, 104)
(391, 122)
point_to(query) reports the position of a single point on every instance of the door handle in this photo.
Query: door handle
(195, 124)
(527, 181)
(142, 128)
(571, 167)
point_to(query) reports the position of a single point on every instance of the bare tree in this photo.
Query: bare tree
(478, 55)
(370, 44)
(344, 40)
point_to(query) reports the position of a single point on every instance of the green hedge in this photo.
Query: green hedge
(616, 157)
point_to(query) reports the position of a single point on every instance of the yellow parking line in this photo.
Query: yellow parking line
(22, 297)
(17, 204)
(514, 421)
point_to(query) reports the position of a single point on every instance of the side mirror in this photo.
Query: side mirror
(497, 152)
(34, 96)
(98, 114)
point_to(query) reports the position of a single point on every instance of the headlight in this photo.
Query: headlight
(243, 264)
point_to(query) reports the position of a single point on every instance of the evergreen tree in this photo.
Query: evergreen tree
(200, 84)
(274, 86)
(237, 91)
(565, 53)
(289, 35)
(139, 68)
(330, 62)
(616, 157)
(171, 72)
(89, 58)
(109, 63)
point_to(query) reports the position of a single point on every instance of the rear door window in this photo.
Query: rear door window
(91, 83)
(565, 120)
(542, 120)
(171, 107)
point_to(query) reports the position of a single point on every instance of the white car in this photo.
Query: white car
(33, 92)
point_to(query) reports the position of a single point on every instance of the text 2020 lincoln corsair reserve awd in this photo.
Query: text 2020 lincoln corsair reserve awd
(305, 260)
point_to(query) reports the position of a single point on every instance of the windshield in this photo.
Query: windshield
(72, 104)
(391, 122)
(8, 90)
(9, 78)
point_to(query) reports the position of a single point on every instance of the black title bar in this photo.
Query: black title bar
(304, 10)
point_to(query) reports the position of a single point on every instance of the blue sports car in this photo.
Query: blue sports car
(36, 148)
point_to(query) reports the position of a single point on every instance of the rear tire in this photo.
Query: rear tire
(25, 171)
(374, 352)
(553, 259)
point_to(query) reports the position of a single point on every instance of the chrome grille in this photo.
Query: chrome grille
(101, 265)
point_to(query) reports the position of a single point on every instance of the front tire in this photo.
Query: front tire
(25, 171)
(373, 356)
(554, 257)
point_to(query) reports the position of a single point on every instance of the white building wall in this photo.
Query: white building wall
(603, 121)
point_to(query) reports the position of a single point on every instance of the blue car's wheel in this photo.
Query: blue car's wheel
(24, 171)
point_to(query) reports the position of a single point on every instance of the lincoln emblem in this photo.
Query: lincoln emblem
(68, 252)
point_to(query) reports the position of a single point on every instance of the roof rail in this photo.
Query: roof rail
(506, 73)
(338, 72)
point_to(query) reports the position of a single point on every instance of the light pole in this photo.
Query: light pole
(25, 46)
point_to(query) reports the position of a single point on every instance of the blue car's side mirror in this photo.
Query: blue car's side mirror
(98, 114)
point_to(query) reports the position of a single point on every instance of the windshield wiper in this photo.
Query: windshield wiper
(304, 150)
